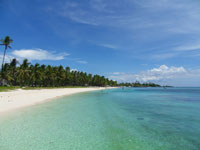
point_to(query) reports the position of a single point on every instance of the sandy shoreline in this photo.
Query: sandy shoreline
(22, 98)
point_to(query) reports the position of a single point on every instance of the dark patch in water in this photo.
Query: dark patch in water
(188, 99)
(140, 118)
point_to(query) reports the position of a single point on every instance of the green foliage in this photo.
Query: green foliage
(7, 88)
(138, 84)
(29, 75)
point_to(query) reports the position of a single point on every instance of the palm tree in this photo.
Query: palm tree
(6, 42)
(37, 75)
(23, 73)
(13, 67)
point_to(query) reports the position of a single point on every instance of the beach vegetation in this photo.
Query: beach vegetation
(36, 75)
(138, 84)
(8, 88)
(6, 43)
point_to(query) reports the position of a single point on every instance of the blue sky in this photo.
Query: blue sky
(125, 40)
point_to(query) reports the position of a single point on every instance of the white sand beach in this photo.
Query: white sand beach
(12, 100)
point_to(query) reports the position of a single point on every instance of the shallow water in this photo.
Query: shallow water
(117, 119)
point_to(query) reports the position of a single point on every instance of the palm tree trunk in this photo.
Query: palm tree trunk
(4, 57)
(2, 70)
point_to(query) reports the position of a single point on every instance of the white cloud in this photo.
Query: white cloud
(179, 16)
(137, 22)
(38, 54)
(163, 75)
(163, 72)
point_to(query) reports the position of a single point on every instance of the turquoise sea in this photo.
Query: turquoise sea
(115, 119)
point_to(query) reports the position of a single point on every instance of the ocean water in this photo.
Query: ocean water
(115, 119)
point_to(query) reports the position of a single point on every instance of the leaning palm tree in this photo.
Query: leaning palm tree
(6, 42)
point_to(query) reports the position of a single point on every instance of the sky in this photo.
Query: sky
(125, 40)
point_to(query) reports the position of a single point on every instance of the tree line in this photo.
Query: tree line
(27, 74)
(138, 84)
(36, 75)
